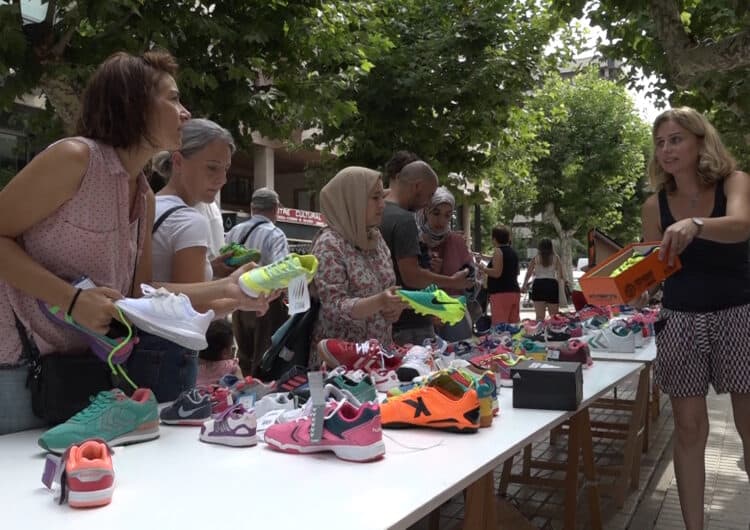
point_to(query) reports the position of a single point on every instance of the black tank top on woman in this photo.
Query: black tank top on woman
(508, 280)
(714, 276)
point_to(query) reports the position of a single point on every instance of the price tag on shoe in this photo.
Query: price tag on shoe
(299, 295)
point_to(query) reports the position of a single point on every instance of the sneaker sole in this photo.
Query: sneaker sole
(185, 338)
(194, 422)
(144, 433)
(438, 426)
(351, 453)
(231, 441)
(90, 499)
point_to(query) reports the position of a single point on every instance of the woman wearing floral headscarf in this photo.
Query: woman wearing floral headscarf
(444, 251)
(355, 279)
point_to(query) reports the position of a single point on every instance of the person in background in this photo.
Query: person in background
(219, 358)
(502, 279)
(411, 190)
(444, 252)
(701, 212)
(546, 268)
(193, 175)
(94, 218)
(355, 282)
(252, 332)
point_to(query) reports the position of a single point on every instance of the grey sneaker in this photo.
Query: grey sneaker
(235, 427)
(192, 407)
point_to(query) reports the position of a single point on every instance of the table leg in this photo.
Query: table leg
(480, 509)
(571, 473)
(589, 470)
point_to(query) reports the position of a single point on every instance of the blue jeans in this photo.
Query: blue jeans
(163, 366)
(15, 402)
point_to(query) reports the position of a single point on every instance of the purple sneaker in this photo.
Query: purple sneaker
(234, 427)
(118, 343)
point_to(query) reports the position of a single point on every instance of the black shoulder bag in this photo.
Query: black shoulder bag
(61, 384)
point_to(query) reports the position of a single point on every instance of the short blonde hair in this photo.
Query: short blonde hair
(714, 161)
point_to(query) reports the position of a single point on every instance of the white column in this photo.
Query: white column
(263, 162)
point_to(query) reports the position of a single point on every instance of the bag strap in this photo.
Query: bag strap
(256, 225)
(30, 351)
(163, 217)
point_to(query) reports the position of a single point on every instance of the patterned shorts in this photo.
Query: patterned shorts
(695, 349)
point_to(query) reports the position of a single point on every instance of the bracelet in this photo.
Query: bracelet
(73, 302)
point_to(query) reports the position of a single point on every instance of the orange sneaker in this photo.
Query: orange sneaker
(89, 474)
(441, 404)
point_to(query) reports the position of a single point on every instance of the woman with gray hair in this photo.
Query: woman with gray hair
(180, 239)
(194, 174)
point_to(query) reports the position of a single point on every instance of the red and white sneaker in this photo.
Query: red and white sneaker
(351, 433)
(355, 356)
(89, 474)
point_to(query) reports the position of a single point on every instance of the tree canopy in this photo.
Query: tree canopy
(592, 170)
(699, 50)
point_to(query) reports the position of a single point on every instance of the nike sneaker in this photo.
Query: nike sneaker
(169, 316)
(264, 280)
(112, 416)
(240, 254)
(192, 407)
(432, 301)
(442, 403)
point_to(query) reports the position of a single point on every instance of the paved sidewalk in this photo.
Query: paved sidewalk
(727, 494)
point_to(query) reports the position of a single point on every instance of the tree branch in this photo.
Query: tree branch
(687, 59)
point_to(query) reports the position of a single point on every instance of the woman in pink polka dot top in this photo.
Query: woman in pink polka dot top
(83, 207)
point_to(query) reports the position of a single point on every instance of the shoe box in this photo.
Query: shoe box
(601, 289)
(549, 385)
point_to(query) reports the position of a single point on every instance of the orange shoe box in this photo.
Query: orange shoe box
(601, 289)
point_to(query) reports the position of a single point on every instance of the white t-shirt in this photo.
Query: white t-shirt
(184, 228)
(215, 225)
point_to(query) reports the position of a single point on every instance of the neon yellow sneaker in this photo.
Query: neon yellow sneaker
(435, 302)
(263, 280)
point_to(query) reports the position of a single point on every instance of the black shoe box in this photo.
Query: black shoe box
(547, 385)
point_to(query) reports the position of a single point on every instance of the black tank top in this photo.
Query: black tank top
(714, 276)
(508, 280)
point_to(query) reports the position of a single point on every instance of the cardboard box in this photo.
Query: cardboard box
(547, 385)
(601, 289)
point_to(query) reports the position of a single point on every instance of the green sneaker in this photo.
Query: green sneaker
(263, 280)
(435, 302)
(240, 254)
(113, 417)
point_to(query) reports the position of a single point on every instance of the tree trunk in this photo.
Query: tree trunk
(689, 59)
(64, 98)
(566, 239)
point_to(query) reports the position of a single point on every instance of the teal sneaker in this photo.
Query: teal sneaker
(264, 280)
(435, 302)
(112, 417)
(364, 390)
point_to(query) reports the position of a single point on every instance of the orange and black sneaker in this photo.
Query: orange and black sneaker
(442, 403)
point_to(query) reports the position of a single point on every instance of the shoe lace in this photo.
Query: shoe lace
(118, 370)
(280, 268)
(166, 302)
(101, 402)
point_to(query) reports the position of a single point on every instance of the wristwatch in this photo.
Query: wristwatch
(698, 222)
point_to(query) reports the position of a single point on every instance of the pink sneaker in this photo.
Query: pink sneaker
(355, 356)
(352, 433)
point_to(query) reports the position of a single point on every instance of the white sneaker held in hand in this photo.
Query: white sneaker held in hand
(169, 316)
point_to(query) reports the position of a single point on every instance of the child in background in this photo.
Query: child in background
(219, 358)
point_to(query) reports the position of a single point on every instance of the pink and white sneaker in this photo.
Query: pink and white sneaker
(384, 379)
(351, 433)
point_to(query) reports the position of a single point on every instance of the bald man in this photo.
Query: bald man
(411, 189)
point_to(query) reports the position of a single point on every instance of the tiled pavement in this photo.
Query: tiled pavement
(655, 505)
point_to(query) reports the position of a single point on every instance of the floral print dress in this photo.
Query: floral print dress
(346, 274)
